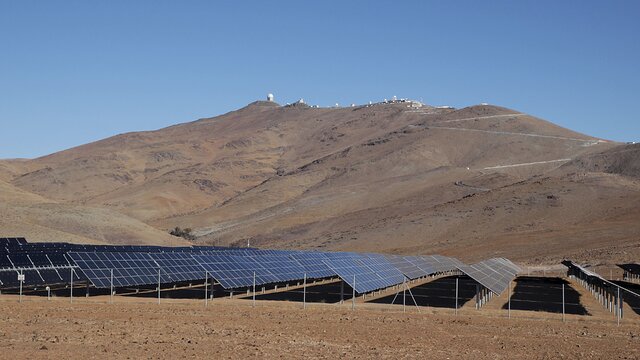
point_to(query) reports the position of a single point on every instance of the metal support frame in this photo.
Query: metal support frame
(111, 289)
(304, 292)
(353, 298)
(619, 307)
(414, 299)
(206, 288)
(509, 295)
(21, 281)
(71, 286)
(563, 316)
(404, 295)
(456, 312)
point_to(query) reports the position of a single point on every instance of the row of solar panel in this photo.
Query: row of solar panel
(242, 267)
(238, 269)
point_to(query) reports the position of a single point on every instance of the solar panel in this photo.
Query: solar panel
(494, 274)
(353, 271)
(233, 271)
(20, 260)
(180, 266)
(12, 242)
(425, 266)
(445, 263)
(313, 264)
(503, 264)
(409, 270)
(31, 278)
(129, 269)
(354, 274)
(51, 276)
(282, 267)
(388, 273)
(631, 268)
(9, 279)
(5, 263)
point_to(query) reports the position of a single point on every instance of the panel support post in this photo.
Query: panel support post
(404, 295)
(206, 288)
(341, 291)
(71, 286)
(304, 292)
(158, 286)
(619, 306)
(253, 299)
(562, 302)
(21, 281)
(456, 296)
(353, 296)
(111, 288)
(509, 294)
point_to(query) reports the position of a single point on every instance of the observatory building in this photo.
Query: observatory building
(270, 97)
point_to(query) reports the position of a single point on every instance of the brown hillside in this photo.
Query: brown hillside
(470, 182)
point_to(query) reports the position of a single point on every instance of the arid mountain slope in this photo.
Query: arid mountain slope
(40, 219)
(389, 177)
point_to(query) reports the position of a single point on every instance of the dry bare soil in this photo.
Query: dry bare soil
(231, 329)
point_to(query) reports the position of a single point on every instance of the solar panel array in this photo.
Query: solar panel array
(49, 263)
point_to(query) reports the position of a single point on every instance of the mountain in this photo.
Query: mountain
(474, 182)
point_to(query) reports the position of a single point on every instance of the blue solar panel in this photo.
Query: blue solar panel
(388, 273)
(353, 272)
(20, 260)
(180, 266)
(494, 274)
(5, 263)
(282, 267)
(232, 267)
(12, 242)
(313, 264)
(427, 267)
(129, 269)
(233, 271)
(445, 263)
(407, 268)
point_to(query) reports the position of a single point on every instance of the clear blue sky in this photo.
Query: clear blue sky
(72, 72)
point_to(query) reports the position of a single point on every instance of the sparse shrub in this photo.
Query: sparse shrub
(183, 233)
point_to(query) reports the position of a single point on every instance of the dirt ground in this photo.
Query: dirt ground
(137, 328)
